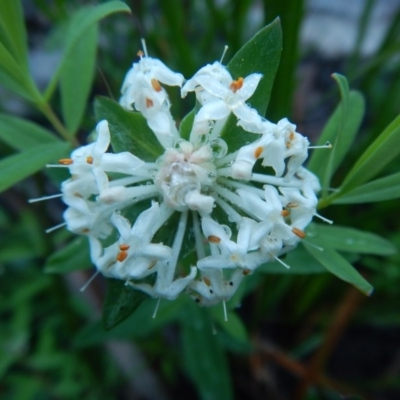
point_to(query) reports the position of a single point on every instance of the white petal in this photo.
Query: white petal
(249, 86)
(213, 110)
(103, 138)
(125, 162)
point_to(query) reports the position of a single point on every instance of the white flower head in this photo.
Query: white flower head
(188, 191)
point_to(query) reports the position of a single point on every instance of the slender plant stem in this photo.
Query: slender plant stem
(46, 109)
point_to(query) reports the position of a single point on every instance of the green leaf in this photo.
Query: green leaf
(22, 134)
(76, 78)
(12, 31)
(120, 302)
(356, 108)
(186, 124)
(379, 154)
(351, 240)
(19, 166)
(260, 54)
(387, 188)
(337, 265)
(140, 324)
(14, 78)
(204, 360)
(234, 326)
(80, 24)
(344, 112)
(74, 256)
(129, 130)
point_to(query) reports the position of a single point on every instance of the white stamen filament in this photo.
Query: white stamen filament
(281, 262)
(144, 47)
(156, 309)
(55, 227)
(91, 279)
(54, 196)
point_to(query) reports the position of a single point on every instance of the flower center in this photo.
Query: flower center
(185, 177)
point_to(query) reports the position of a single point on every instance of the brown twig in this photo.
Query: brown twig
(345, 311)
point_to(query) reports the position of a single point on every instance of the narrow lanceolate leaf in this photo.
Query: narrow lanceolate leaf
(82, 21)
(129, 130)
(344, 113)
(261, 54)
(74, 256)
(387, 188)
(120, 302)
(19, 166)
(14, 78)
(204, 359)
(12, 30)
(379, 154)
(356, 107)
(21, 134)
(76, 78)
(339, 266)
(351, 240)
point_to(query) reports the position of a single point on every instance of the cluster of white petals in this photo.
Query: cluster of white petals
(198, 219)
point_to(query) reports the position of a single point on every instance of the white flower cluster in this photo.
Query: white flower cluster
(197, 178)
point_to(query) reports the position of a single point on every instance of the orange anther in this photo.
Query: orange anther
(214, 239)
(258, 151)
(298, 232)
(85, 230)
(236, 85)
(156, 85)
(149, 103)
(121, 256)
(285, 213)
(124, 247)
(89, 160)
(65, 161)
(207, 281)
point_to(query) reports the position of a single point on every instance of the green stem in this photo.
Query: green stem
(57, 124)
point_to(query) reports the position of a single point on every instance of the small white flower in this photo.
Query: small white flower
(133, 256)
(142, 89)
(220, 94)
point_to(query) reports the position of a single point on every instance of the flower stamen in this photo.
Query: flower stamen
(236, 85)
(65, 161)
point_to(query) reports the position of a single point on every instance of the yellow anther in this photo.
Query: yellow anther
(285, 213)
(258, 151)
(298, 232)
(140, 53)
(156, 85)
(214, 239)
(236, 85)
(121, 256)
(246, 272)
(65, 161)
(207, 281)
(89, 160)
(291, 205)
